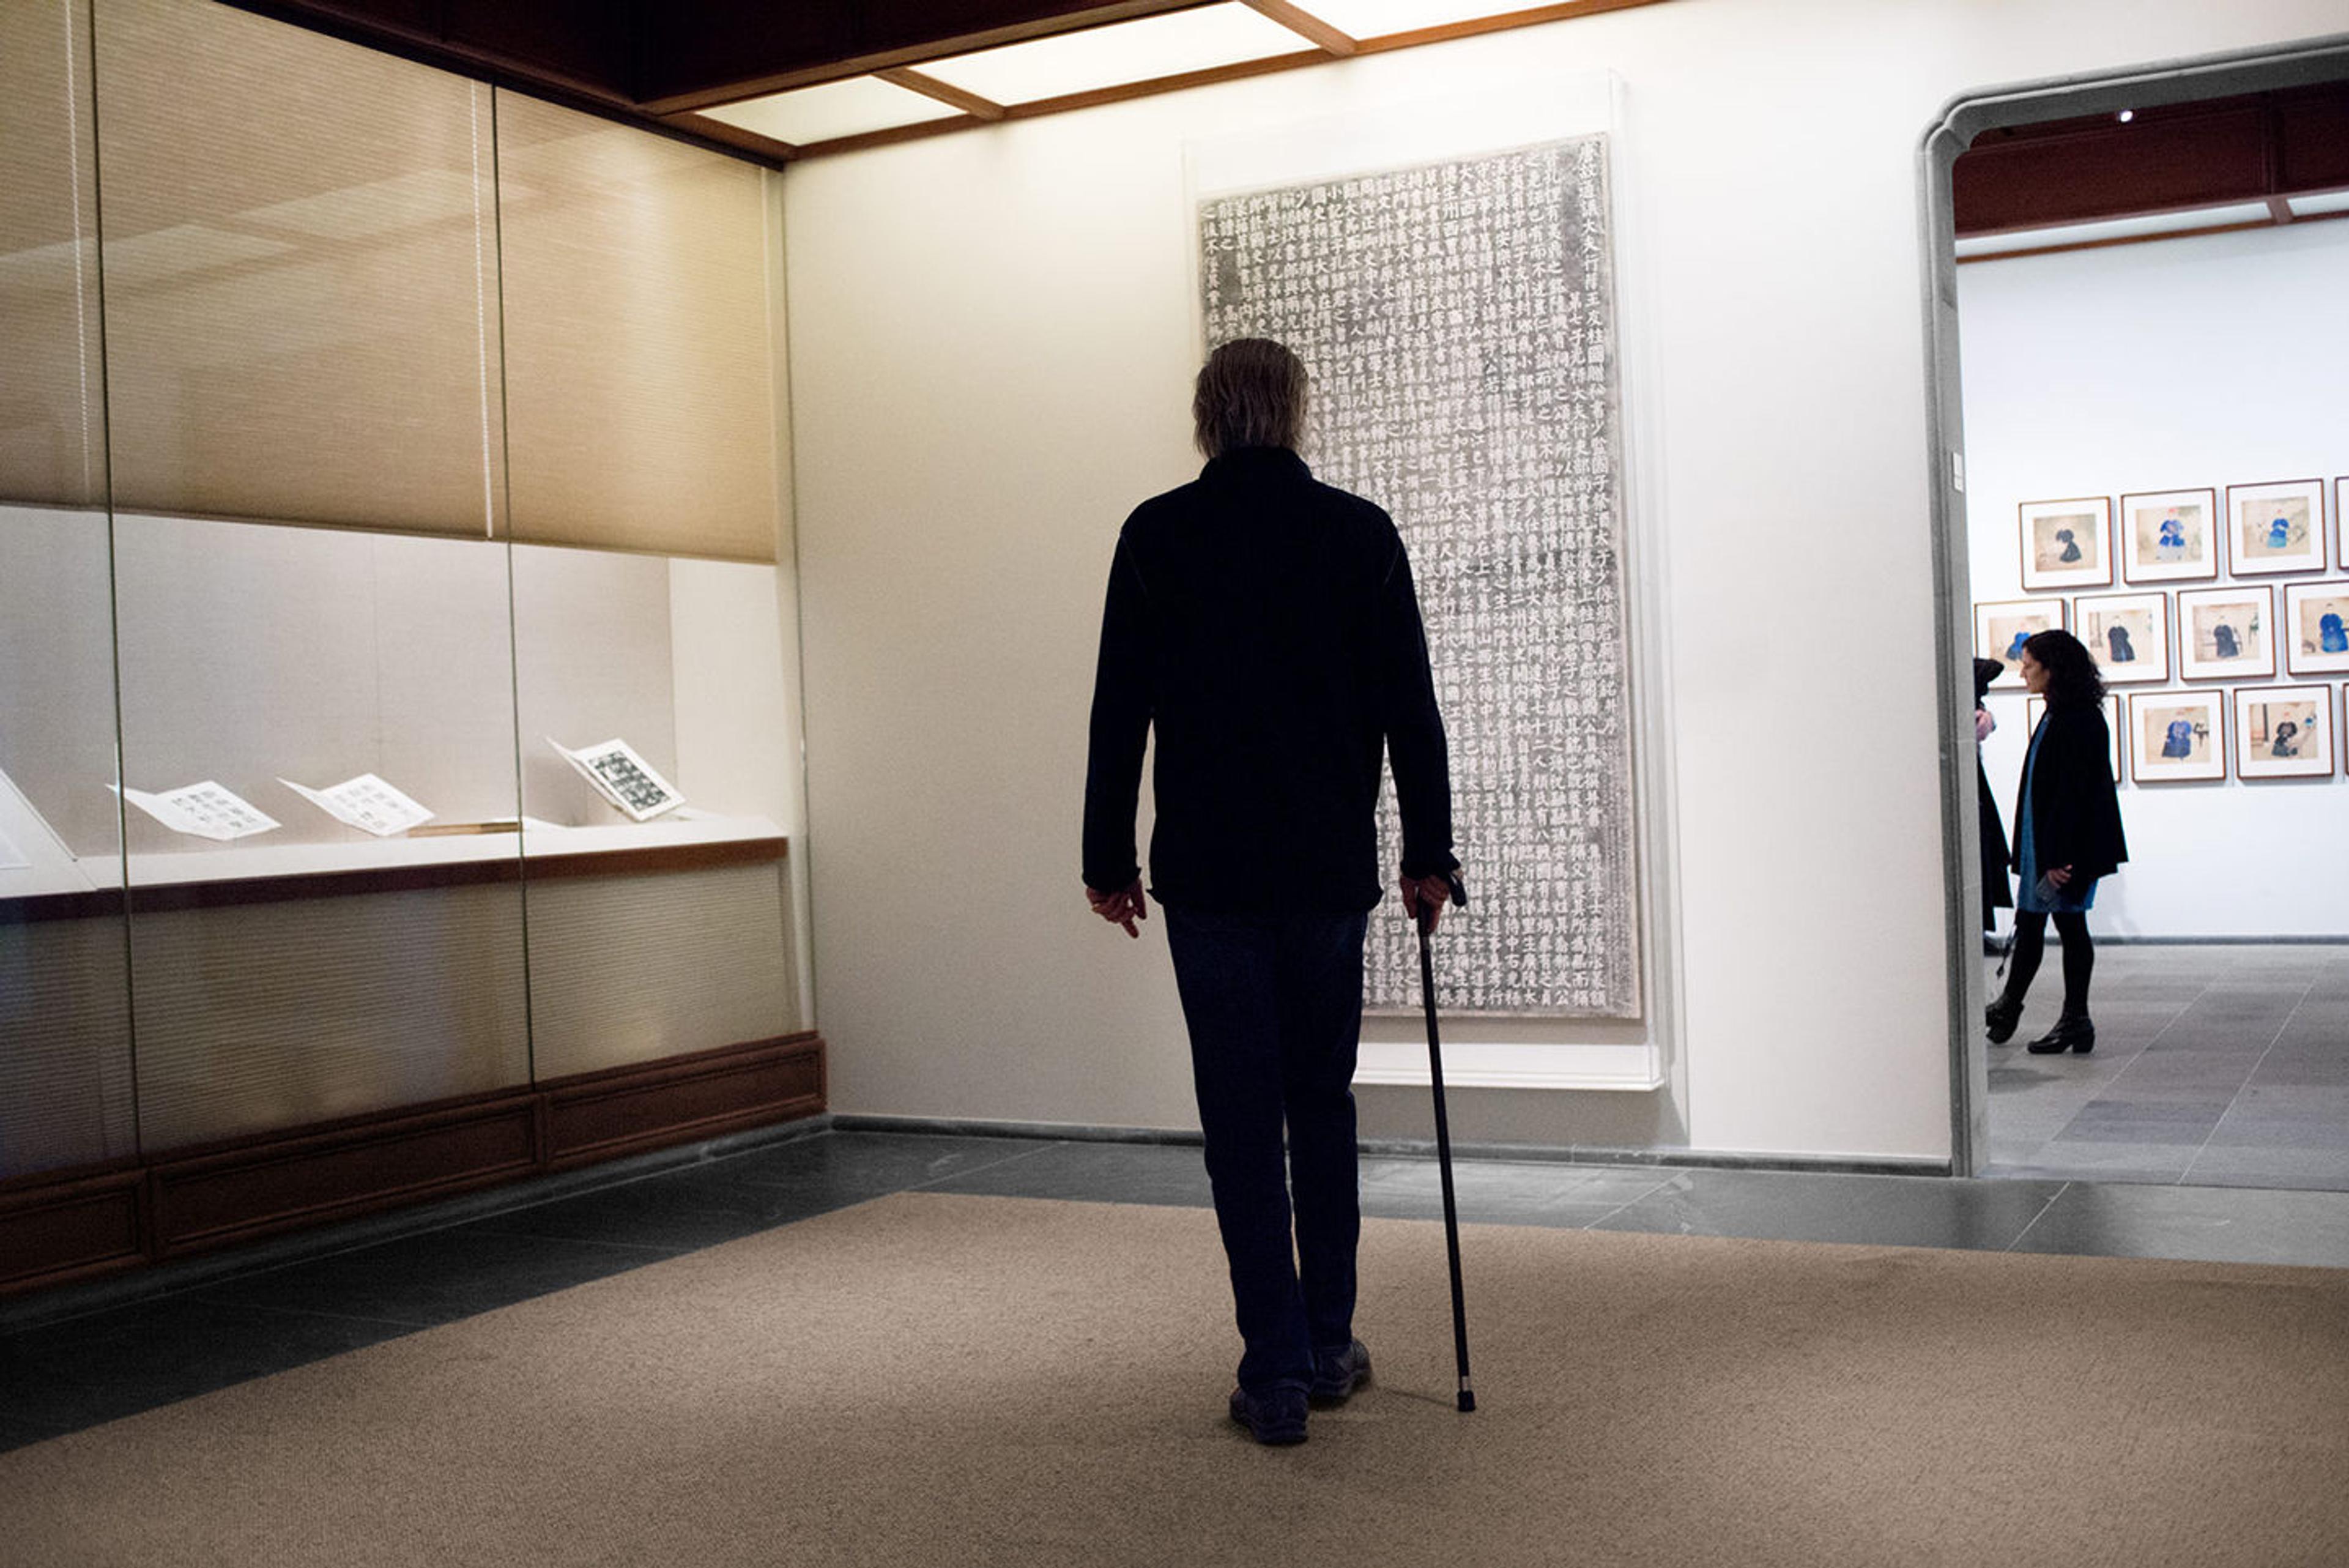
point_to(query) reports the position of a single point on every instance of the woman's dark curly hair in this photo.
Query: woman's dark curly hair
(2073, 677)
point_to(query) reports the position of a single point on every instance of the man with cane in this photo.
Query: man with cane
(1266, 625)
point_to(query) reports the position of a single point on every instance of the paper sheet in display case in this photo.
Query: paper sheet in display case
(623, 777)
(365, 802)
(206, 810)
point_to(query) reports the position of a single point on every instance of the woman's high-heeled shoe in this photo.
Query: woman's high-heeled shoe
(2001, 1017)
(2072, 1032)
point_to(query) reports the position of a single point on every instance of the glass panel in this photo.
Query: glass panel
(301, 254)
(655, 771)
(640, 396)
(325, 955)
(52, 437)
(66, 1094)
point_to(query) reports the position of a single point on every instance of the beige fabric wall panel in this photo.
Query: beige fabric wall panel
(640, 391)
(252, 653)
(52, 426)
(592, 661)
(300, 259)
(632, 968)
(65, 1046)
(261, 1016)
(56, 671)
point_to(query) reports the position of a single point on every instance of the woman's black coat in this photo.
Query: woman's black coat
(2075, 811)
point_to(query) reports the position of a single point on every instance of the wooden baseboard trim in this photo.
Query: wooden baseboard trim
(69, 1227)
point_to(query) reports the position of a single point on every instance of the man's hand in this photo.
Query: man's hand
(1983, 725)
(1423, 898)
(1121, 908)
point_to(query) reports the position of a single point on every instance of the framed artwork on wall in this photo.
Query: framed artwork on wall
(2341, 522)
(2277, 527)
(2176, 737)
(2067, 544)
(2035, 708)
(2226, 633)
(2003, 626)
(2169, 536)
(2283, 732)
(2128, 634)
(2316, 628)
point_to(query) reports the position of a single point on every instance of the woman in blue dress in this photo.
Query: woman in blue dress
(2067, 835)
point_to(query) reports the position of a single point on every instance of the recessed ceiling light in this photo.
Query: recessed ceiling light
(2127, 114)
(835, 109)
(1119, 54)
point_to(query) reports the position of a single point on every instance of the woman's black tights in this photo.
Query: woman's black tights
(2031, 946)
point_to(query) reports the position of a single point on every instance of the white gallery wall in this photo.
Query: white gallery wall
(992, 341)
(2185, 364)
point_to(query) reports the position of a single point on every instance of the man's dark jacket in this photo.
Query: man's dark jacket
(2075, 811)
(1266, 624)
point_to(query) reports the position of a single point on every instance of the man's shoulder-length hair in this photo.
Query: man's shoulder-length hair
(1251, 392)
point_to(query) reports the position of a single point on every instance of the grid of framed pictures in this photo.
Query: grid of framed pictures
(2273, 645)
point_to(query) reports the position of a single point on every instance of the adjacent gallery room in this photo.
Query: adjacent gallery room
(2149, 307)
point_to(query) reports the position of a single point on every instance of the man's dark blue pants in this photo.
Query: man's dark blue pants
(1274, 1005)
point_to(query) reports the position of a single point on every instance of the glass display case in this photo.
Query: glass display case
(357, 841)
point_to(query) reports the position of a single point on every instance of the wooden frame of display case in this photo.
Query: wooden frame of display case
(62, 1227)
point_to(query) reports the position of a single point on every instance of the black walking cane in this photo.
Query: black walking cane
(1443, 1140)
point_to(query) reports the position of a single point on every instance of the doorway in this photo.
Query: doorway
(2086, 365)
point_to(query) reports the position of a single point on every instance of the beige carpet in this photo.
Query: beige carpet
(942, 1380)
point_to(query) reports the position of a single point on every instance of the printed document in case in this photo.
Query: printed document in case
(206, 810)
(365, 802)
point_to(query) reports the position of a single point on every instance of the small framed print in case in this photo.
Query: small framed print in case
(2169, 536)
(2067, 544)
(2003, 626)
(2226, 633)
(2035, 708)
(2126, 634)
(2316, 628)
(2283, 732)
(2176, 737)
(2277, 527)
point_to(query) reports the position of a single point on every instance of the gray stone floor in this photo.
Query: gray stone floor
(2214, 1066)
(247, 1318)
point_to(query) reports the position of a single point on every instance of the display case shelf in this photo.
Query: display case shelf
(205, 878)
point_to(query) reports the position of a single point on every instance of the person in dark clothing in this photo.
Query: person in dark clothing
(2067, 834)
(1996, 894)
(1266, 626)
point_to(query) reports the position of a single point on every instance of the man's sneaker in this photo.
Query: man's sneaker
(1275, 1417)
(1338, 1373)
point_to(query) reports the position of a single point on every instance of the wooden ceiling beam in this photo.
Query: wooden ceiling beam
(1333, 43)
(979, 109)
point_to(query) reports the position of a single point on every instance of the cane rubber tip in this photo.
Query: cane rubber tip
(1467, 1400)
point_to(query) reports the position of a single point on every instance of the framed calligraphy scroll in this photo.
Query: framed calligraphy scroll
(1458, 321)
